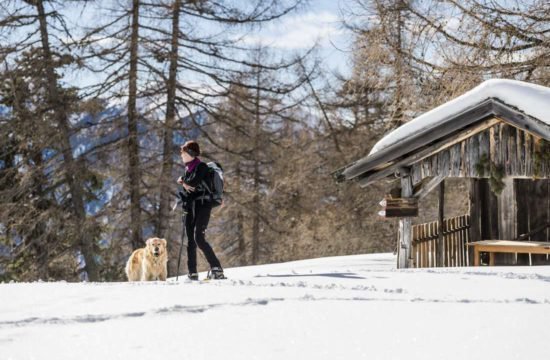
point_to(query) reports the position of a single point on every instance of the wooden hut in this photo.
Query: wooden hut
(496, 135)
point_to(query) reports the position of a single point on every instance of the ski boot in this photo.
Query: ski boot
(193, 276)
(216, 274)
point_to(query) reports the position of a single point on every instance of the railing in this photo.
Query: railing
(455, 236)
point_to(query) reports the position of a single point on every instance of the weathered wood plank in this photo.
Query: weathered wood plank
(463, 158)
(441, 222)
(484, 145)
(507, 210)
(474, 155)
(497, 159)
(462, 240)
(428, 187)
(425, 154)
(507, 217)
(454, 152)
(528, 155)
(493, 143)
(467, 240)
(446, 155)
(520, 120)
(450, 243)
(475, 210)
(427, 136)
(522, 190)
(425, 262)
(434, 163)
(416, 173)
(405, 242)
(505, 151)
(520, 152)
(512, 150)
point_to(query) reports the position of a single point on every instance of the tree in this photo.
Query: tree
(496, 39)
(382, 73)
(170, 54)
(46, 60)
(250, 128)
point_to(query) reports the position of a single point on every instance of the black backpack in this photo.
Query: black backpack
(214, 183)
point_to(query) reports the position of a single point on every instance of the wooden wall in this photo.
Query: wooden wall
(504, 145)
(523, 204)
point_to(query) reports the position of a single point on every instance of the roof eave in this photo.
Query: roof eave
(463, 119)
(454, 123)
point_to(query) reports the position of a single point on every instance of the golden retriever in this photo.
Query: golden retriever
(148, 263)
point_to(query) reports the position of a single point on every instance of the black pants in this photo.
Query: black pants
(195, 227)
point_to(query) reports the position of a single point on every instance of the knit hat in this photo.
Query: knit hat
(192, 148)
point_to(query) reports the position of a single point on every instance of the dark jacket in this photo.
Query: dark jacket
(195, 179)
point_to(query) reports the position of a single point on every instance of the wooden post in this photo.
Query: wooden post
(507, 222)
(474, 232)
(476, 256)
(507, 211)
(404, 259)
(441, 243)
(475, 211)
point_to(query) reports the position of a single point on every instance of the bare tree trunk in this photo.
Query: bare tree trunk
(256, 178)
(39, 230)
(330, 128)
(398, 115)
(70, 166)
(240, 222)
(133, 140)
(167, 157)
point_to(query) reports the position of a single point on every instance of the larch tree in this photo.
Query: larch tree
(33, 31)
(178, 58)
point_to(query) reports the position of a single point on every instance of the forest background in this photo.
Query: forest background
(97, 96)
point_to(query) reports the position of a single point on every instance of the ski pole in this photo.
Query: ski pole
(182, 242)
(182, 201)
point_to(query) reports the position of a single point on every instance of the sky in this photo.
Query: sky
(317, 23)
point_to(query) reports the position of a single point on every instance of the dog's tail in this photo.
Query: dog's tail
(132, 263)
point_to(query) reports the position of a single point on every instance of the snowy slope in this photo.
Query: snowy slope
(529, 98)
(355, 307)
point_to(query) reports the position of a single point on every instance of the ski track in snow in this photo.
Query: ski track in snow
(101, 318)
(251, 302)
(335, 287)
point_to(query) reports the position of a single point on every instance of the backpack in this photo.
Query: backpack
(214, 183)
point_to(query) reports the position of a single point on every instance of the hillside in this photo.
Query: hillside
(353, 307)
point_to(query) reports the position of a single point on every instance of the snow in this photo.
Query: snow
(353, 307)
(529, 98)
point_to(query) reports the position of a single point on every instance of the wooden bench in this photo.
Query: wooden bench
(507, 246)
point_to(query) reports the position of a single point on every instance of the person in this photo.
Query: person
(198, 206)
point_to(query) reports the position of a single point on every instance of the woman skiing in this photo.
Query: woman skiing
(198, 205)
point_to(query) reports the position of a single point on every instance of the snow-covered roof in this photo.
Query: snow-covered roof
(524, 105)
(531, 99)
